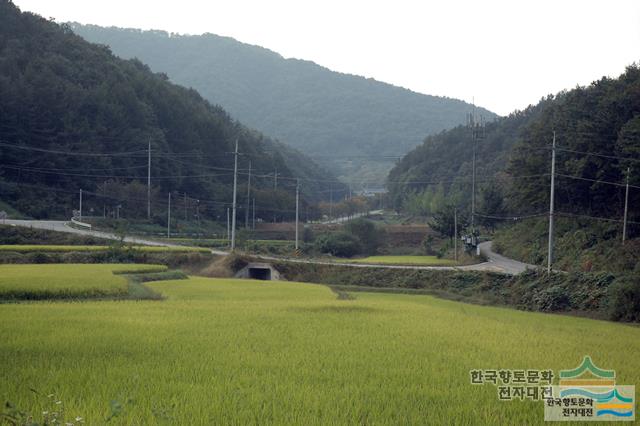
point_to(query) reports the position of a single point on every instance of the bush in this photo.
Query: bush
(369, 235)
(339, 244)
(624, 299)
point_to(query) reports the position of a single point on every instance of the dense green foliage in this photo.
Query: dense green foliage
(341, 244)
(246, 352)
(336, 118)
(581, 245)
(598, 137)
(62, 94)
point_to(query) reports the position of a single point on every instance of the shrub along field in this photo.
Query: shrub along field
(34, 282)
(222, 351)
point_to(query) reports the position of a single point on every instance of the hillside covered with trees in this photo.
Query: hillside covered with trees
(597, 131)
(74, 116)
(346, 122)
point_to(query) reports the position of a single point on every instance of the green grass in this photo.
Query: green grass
(222, 351)
(402, 260)
(29, 248)
(33, 282)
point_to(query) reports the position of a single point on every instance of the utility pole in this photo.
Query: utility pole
(330, 201)
(104, 200)
(246, 213)
(297, 208)
(626, 208)
(455, 234)
(275, 180)
(472, 120)
(149, 182)
(551, 203)
(169, 218)
(254, 214)
(235, 190)
(80, 206)
(185, 206)
(228, 226)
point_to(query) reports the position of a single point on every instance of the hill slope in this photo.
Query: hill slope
(597, 130)
(328, 115)
(73, 116)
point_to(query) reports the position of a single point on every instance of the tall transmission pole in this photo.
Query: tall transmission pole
(149, 181)
(246, 213)
(330, 201)
(297, 208)
(169, 218)
(626, 208)
(235, 190)
(455, 234)
(551, 203)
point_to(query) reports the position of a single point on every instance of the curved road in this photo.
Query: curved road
(495, 262)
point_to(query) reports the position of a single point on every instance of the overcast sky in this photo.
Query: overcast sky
(505, 54)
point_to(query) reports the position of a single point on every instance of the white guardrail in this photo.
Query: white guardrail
(76, 222)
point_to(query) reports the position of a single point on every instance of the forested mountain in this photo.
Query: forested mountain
(74, 116)
(598, 137)
(346, 122)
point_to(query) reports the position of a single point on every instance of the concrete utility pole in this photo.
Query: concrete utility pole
(626, 208)
(551, 203)
(330, 201)
(246, 213)
(235, 191)
(149, 182)
(228, 226)
(275, 180)
(169, 218)
(254, 214)
(297, 208)
(455, 234)
(80, 218)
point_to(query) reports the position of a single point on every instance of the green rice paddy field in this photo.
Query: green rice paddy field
(68, 280)
(219, 351)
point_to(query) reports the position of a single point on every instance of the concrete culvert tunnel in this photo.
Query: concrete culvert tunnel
(259, 271)
(260, 274)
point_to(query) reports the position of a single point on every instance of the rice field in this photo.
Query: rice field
(402, 260)
(62, 281)
(30, 248)
(221, 351)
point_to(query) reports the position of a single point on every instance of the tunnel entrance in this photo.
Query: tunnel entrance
(260, 274)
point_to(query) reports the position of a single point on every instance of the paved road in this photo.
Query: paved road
(354, 216)
(63, 226)
(495, 262)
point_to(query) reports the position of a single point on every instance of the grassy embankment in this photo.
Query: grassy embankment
(580, 245)
(241, 352)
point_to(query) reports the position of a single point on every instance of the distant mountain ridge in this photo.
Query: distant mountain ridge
(342, 120)
(73, 116)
